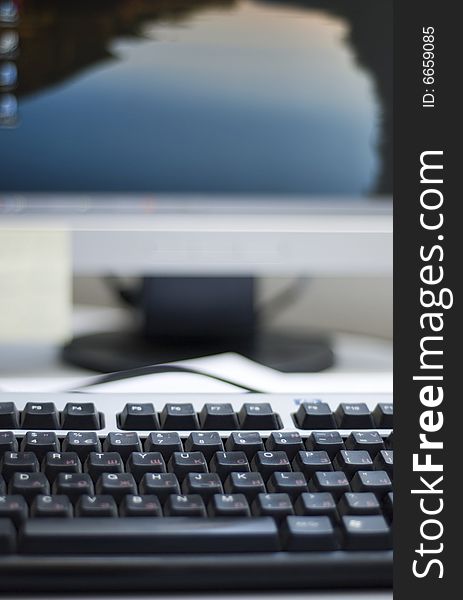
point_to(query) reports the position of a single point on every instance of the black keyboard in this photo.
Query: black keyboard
(147, 492)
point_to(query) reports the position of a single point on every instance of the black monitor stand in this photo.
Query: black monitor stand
(189, 317)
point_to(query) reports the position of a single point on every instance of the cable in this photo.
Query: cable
(128, 295)
(154, 369)
(283, 299)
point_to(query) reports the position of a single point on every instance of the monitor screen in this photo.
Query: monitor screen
(240, 97)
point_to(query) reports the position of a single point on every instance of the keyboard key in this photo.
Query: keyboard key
(29, 485)
(116, 485)
(140, 463)
(292, 484)
(204, 484)
(229, 505)
(140, 417)
(73, 485)
(185, 506)
(303, 533)
(123, 443)
(247, 442)
(14, 508)
(354, 416)
(165, 443)
(218, 416)
(359, 503)
(40, 442)
(9, 416)
(384, 461)
(40, 415)
(389, 441)
(334, 482)
(7, 537)
(18, 462)
(60, 462)
(82, 443)
(277, 506)
(8, 442)
(258, 416)
(249, 484)
(309, 462)
(289, 442)
(161, 485)
(207, 442)
(351, 461)
(183, 463)
(179, 416)
(317, 503)
(377, 482)
(148, 536)
(98, 463)
(95, 506)
(388, 503)
(330, 442)
(51, 507)
(140, 506)
(383, 415)
(315, 415)
(80, 415)
(369, 532)
(370, 441)
(224, 463)
(267, 463)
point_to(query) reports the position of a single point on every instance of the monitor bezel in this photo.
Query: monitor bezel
(205, 235)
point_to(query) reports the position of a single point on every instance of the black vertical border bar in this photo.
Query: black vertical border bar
(416, 130)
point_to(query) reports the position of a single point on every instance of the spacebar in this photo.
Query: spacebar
(148, 535)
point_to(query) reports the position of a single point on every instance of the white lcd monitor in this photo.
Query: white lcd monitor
(187, 140)
(202, 136)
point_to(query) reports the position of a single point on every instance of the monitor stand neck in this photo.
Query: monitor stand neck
(189, 317)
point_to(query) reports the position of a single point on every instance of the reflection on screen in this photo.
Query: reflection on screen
(251, 96)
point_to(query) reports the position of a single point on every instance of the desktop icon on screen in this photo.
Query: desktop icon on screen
(8, 75)
(9, 41)
(8, 12)
(8, 110)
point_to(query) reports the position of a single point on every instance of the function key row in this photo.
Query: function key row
(318, 415)
(142, 417)
(310, 415)
(44, 415)
(183, 416)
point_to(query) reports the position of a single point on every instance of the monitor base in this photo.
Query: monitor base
(118, 351)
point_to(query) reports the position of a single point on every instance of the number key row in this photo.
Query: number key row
(207, 442)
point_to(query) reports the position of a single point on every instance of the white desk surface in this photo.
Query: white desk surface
(363, 365)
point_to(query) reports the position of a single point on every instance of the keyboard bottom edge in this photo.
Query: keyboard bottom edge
(250, 571)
